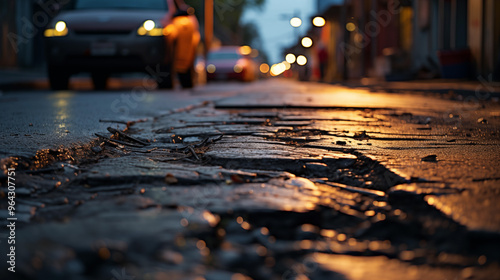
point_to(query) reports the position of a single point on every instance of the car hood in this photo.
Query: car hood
(107, 19)
(223, 63)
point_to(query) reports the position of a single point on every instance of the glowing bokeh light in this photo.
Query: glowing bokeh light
(245, 50)
(211, 68)
(301, 60)
(296, 22)
(60, 26)
(350, 26)
(264, 68)
(149, 25)
(290, 58)
(307, 42)
(319, 22)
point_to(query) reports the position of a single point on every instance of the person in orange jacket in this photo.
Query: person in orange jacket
(182, 31)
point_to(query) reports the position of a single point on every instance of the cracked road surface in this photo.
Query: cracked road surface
(283, 180)
(34, 120)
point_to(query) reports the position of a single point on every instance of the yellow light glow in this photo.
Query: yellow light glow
(199, 67)
(264, 68)
(211, 68)
(287, 65)
(431, 201)
(245, 50)
(307, 42)
(290, 58)
(282, 67)
(350, 26)
(341, 237)
(273, 70)
(149, 25)
(237, 68)
(51, 32)
(319, 22)
(60, 29)
(301, 60)
(60, 26)
(278, 69)
(141, 31)
(153, 32)
(296, 22)
(156, 32)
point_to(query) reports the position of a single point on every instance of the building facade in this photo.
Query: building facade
(22, 23)
(409, 39)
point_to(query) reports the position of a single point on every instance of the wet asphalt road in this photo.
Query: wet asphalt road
(35, 120)
(295, 181)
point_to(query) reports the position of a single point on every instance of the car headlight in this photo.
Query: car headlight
(211, 68)
(150, 28)
(60, 29)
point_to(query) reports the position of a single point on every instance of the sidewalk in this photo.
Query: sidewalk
(481, 87)
(16, 79)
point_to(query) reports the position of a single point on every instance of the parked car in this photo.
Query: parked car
(105, 37)
(231, 63)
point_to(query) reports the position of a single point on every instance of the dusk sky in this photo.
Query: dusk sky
(273, 22)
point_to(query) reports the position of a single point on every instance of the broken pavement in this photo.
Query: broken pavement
(298, 181)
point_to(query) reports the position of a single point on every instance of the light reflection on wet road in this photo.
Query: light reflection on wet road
(34, 120)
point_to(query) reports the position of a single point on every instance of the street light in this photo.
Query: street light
(278, 69)
(290, 58)
(350, 26)
(307, 42)
(301, 60)
(287, 65)
(264, 68)
(296, 22)
(319, 22)
(245, 50)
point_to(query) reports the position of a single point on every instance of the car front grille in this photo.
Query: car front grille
(103, 32)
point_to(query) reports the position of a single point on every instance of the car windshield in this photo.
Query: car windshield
(121, 4)
(223, 56)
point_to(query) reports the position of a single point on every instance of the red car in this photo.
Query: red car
(231, 63)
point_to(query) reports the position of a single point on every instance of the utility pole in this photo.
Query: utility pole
(209, 25)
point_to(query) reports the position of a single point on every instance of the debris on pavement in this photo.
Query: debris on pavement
(128, 137)
(430, 158)
(116, 141)
(482, 121)
(361, 136)
(267, 193)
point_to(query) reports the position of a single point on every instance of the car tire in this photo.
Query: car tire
(165, 81)
(58, 79)
(100, 80)
(187, 78)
